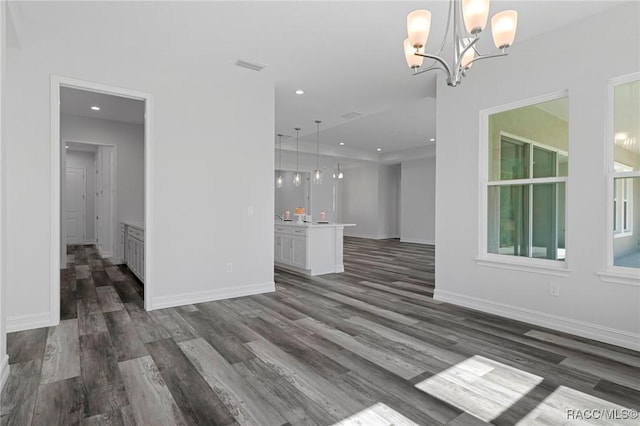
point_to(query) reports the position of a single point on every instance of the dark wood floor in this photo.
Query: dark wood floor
(369, 346)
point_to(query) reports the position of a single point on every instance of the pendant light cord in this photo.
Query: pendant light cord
(297, 151)
(318, 144)
(280, 151)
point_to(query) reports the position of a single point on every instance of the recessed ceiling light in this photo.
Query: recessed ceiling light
(379, 149)
(66, 146)
(432, 140)
(299, 92)
(341, 143)
(95, 108)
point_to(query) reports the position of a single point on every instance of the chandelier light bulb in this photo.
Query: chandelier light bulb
(297, 180)
(503, 28)
(413, 60)
(418, 27)
(475, 14)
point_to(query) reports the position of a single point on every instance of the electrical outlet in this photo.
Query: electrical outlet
(554, 289)
(250, 211)
(229, 267)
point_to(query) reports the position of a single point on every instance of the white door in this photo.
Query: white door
(75, 219)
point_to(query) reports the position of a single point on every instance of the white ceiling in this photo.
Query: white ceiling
(347, 56)
(115, 108)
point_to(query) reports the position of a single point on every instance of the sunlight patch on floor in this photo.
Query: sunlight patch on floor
(480, 386)
(377, 415)
(567, 405)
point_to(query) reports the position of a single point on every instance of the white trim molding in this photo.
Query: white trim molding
(4, 372)
(609, 335)
(525, 264)
(371, 237)
(418, 241)
(230, 292)
(58, 81)
(30, 321)
(618, 277)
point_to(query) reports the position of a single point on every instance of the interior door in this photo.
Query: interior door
(75, 206)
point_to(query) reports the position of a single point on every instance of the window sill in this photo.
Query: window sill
(622, 234)
(537, 266)
(617, 276)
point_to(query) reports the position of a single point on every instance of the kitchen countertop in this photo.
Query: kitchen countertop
(311, 225)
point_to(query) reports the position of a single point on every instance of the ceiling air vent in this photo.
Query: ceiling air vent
(249, 65)
(351, 115)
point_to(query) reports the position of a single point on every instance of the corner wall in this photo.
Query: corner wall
(200, 139)
(4, 358)
(557, 61)
(418, 206)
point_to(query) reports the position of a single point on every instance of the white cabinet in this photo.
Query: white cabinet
(311, 249)
(133, 251)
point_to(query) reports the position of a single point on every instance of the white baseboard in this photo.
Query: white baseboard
(417, 241)
(4, 372)
(211, 295)
(105, 254)
(568, 325)
(28, 322)
(370, 236)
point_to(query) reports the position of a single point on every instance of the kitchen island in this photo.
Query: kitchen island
(313, 249)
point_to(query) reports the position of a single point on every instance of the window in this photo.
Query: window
(625, 174)
(527, 175)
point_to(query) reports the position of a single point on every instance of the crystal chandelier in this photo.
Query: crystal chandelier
(465, 33)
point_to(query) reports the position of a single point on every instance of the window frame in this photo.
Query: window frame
(528, 264)
(615, 274)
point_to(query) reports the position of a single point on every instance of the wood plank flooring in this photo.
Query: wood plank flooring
(368, 347)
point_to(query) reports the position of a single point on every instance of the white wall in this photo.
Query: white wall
(557, 61)
(418, 204)
(290, 196)
(200, 140)
(389, 201)
(86, 160)
(4, 359)
(129, 141)
(369, 198)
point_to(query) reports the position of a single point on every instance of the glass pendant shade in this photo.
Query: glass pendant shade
(297, 180)
(503, 28)
(317, 176)
(413, 61)
(337, 174)
(418, 26)
(279, 179)
(475, 14)
(317, 173)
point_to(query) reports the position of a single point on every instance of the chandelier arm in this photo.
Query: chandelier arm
(431, 68)
(467, 47)
(495, 55)
(438, 59)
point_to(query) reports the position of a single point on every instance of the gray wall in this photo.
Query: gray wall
(369, 198)
(418, 205)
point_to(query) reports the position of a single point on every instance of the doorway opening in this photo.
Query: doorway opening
(101, 188)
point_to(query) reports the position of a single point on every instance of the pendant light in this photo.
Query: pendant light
(297, 180)
(279, 179)
(338, 173)
(317, 173)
